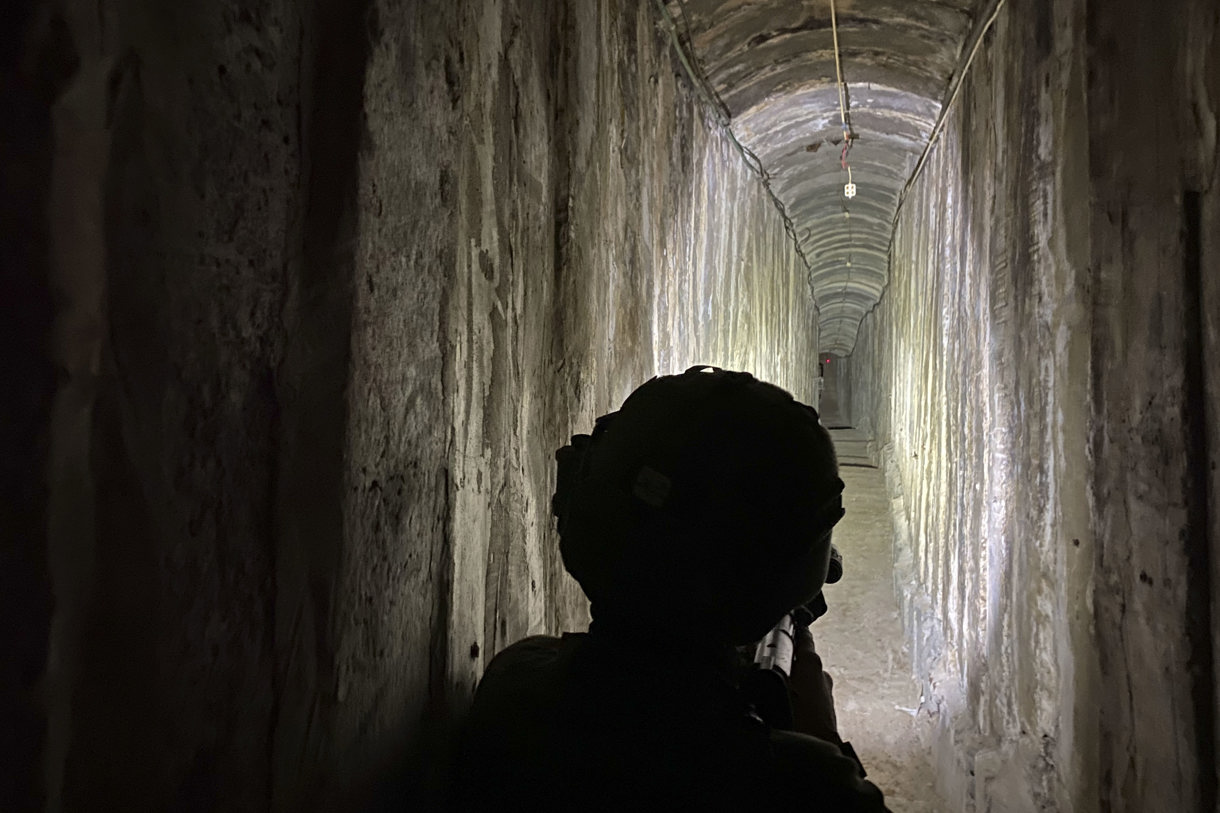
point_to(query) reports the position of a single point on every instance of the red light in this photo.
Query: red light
(828, 361)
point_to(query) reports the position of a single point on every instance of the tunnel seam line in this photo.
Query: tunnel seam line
(724, 119)
(951, 96)
(959, 80)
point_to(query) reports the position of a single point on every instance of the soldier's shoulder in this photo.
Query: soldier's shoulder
(828, 775)
(524, 665)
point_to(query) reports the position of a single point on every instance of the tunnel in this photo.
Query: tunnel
(301, 296)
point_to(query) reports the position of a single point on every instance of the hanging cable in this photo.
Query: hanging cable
(959, 76)
(989, 14)
(850, 189)
(834, 29)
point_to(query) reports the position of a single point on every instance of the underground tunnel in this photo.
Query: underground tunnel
(303, 295)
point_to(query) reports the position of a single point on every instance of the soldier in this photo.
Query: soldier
(694, 519)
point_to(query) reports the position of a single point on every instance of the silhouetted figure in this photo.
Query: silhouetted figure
(694, 518)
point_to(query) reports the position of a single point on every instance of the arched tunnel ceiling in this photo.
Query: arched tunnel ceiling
(772, 62)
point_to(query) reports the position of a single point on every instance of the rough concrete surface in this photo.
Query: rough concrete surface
(334, 280)
(1154, 401)
(1035, 377)
(303, 296)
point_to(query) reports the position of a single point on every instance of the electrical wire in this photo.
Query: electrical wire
(951, 96)
(944, 111)
(844, 121)
(849, 190)
(834, 30)
(847, 138)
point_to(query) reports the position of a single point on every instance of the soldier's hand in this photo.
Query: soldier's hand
(812, 691)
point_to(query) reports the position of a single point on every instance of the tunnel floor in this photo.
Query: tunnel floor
(862, 643)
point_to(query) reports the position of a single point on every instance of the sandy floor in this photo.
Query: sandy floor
(861, 643)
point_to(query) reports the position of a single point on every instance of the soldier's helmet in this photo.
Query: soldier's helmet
(708, 499)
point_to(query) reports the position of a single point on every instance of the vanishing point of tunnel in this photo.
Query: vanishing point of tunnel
(301, 296)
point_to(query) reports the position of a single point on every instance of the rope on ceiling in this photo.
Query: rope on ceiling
(847, 134)
(849, 190)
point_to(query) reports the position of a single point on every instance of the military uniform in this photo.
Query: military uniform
(591, 723)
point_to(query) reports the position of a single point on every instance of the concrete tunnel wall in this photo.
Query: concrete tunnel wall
(1041, 377)
(320, 288)
(305, 294)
